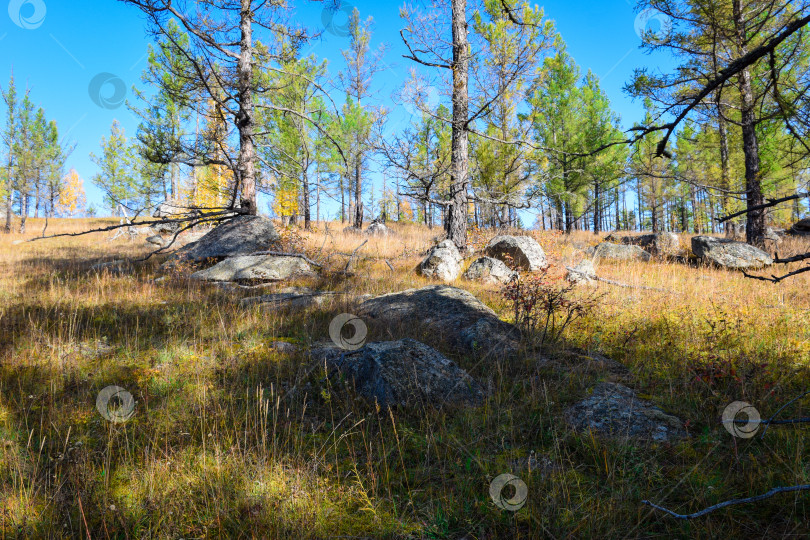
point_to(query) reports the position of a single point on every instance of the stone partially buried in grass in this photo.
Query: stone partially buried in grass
(620, 252)
(729, 254)
(489, 270)
(442, 262)
(257, 268)
(453, 315)
(524, 251)
(404, 373)
(242, 235)
(613, 410)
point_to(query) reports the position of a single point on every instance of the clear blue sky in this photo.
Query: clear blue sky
(58, 47)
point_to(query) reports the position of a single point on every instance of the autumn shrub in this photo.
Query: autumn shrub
(544, 306)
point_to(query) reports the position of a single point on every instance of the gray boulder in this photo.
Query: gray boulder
(256, 267)
(378, 229)
(613, 410)
(404, 373)
(443, 262)
(665, 244)
(291, 297)
(524, 251)
(489, 270)
(729, 253)
(454, 316)
(620, 252)
(241, 235)
(156, 240)
(584, 272)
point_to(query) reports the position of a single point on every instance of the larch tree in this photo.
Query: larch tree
(220, 62)
(725, 47)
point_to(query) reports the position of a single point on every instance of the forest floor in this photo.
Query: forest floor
(218, 448)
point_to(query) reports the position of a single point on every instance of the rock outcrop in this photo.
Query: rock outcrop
(256, 268)
(620, 252)
(729, 253)
(524, 252)
(454, 316)
(584, 272)
(404, 373)
(613, 410)
(442, 262)
(489, 270)
(665, 244)
(242, 235)
(377, 228)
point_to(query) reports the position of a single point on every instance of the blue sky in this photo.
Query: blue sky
(58, 47)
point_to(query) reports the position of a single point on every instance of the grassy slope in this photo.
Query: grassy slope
(217, 448)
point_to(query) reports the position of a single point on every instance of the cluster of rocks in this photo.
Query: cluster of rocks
(721, 252)
(444, 261)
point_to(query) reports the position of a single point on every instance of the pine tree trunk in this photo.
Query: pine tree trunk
(755, 222)
(9, 200)
(358, 194)
(245, 116)
(456, 221)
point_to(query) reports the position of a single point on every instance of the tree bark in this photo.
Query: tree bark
(456, 221)
(755, 222)
(245, 116)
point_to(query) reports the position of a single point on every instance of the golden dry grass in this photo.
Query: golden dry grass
(219, 448)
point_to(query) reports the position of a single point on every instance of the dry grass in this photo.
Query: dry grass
(219, 448)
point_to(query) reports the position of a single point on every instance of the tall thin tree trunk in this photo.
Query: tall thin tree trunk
(245, 116)
(456, 221)
(755, 222)
(358, 195)
(9, 199)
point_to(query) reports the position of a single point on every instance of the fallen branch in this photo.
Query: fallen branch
(618, 283)
(776, 279)
(351, 258)
(769, 494)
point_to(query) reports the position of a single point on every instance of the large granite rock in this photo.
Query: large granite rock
(256, 268)
(665, 244)
(524, 252)
(241, 235)
(620, 252)
(584, 272)
(613, 410)
(728, 253)
(443, 262)
(377, 228)
(489, 270)
(404, 373)
(454, 316)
